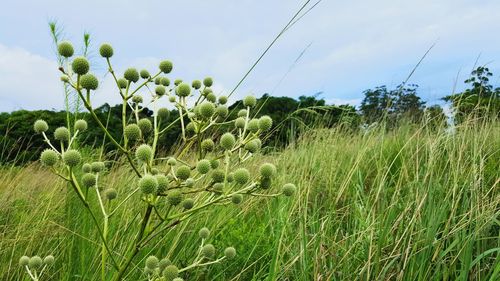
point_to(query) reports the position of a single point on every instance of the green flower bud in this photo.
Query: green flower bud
(131, 75)
(137, 99)
(89, 82)
(162, 183)
(145, 125)
(174, 197)
(154, 171)
(148, 271)
(211, 97)
(80, 65)
(65, 79)
(122, 83)
(222, 110)
(252, 146)
(183, 172)
(177, 82)
(61, 134)
(170, 272)
(241, 176)
(236, 198)
(203, 166)
(189, 182)
(227, 141)
(165, 81)
(183, 90)
(144, 153)
(267, 170)
(171, 161)
(265, 123)
(207, 145)
(160, 90)
(166, 66)
(89, 180)
(289, 189)
(265, 183)
(242, 113)
(163, 113)
(206, 109)
(71, 157)
(218, 175)
(230, 177)
(152, 262)
(144, 74)
(204, 233)
(81, 125)
(188, 203)
(132, 132)
(208, 251)
(196, 84)
(208, 82)
(218, 188)
(239, 122)
(253, 125)
(86, 168)
(230, 253)
(106, 50)
(110, 193)
(158, 80)
(49, 157)
(214, 163)
(164, 263)
(65, 49)
(223, 99)
(206, 92)
(40, 126)
(258, 142)
(35, 262)
(24, 261)
(98, 166)
(171, 99)
(148, 184)
(249, 101)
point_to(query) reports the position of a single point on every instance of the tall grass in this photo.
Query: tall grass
(415, 203)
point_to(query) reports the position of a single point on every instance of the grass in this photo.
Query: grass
(410, 204)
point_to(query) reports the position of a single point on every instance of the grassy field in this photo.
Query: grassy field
(411, 204)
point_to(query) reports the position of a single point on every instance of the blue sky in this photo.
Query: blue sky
(355, 45)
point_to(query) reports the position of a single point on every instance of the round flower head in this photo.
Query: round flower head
(208, 82)
(177, 82)
(110, 193)
(267, 170)
(218, 175)
(132, 132)
(61, 134)
(122, 83)
(249, 101)
(183, 172)
(145, 125)
(253, 125)
(241, 176)
(163, 113)
(206, 91)
(40, 126)
(230, 177)
(208, 251)
(148, 271)
(196, 84)
(65, 49)
(218, 188)
(239, 122)
(258, 142)
(137, 99)
(164, 263)
(162, 182)
(131, 75)
(35, 262)
(188, 203)
(189, 182)
(48, 260)
(160, 90)
(252, 146)
(223, 99)
(144, 74)
(65, 79)
(80, 65)
(165, 81)
(71, 157)
(183, 90)
(206, 109)
(265, 123)
(152, 262)
(222, 110)
(227, 141)
(236, 198)
(49, 157)
(230, 253)
(289, 189)
(214, 163)
(86, 168)
(211, 97)
(144, 153)
(170, 272)
(154, 171)
(171, 99)
(89, 180)
(207, 145)
(171, 161)
(148, 184)
(24, 261)
(203, 166)
(81, 125)
(89, 82)
(158, 80)
(97, 166)
(204, 233)
(242, 113)
(265, 183)
(166, 66)
(174, 197)
(106, 50)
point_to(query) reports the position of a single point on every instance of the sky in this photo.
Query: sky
(350, 46)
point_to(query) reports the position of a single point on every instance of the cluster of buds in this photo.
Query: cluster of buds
(35, 266)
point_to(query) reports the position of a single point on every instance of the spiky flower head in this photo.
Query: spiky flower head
(163, 113)
(144, 74)
(86, 168)
(89, 81)
(148, 184)
(162, 182)
(208, 251)
(154, 171)
(253, 125)
(48, 260)
(171, 99)
(131, 74)
(204, 233)
(40, 126)
(164, 263)
(218, 175)
(160, 90)
(211, 97)
(35, 262)
(241, 176)
(49, 157)
(171, 161)
(236, 198)
(157, 80)
(239, 122)
(89, 180)
(242, 113)
(289, 189)
(188, 203)
(267, 170)
(207, 145)
(166, 66)
(203, 166)
(152, 262)
(165, 81)
(71, 157)
(61, 134)
(106, 50)
(230, 253)
(252, 146)
(80, 65)
(223, 99)
(110, 193)
(196, 84)
(170, 272)
(206, 109)
(145, 125)
(214, 163)
(265, 183)
(122, 83)
(183, 90)
(65, 49)
(265, 123)
(137, 99)
(227, 141)
(174, 197)
(230, 177)
(206, 92)
(183, 172)
(97, 166)
(222, 110)
(24, 261)
(218, 188)
(132, 132)
(144, 153)
(249, 101)
(208, 81)
(81, 125)
(148, 271)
